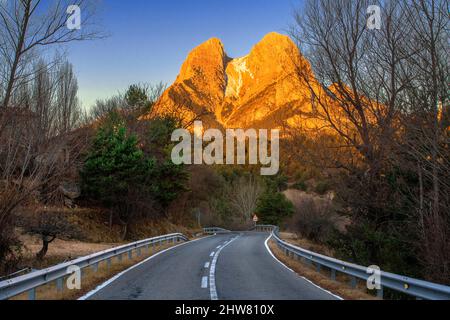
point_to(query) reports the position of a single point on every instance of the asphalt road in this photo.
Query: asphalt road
(234, 266)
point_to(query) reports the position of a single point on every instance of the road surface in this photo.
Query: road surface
(233, 266)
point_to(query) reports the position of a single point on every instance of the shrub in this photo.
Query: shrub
(315, 221)
(301, 185)
(273, 208)
(322, 187)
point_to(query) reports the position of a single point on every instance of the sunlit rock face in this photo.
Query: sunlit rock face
(260, 90)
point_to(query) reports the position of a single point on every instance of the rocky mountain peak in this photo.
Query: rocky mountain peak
(241, 92)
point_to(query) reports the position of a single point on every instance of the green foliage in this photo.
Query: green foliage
(278, 183)
(124, 172)
(158, 136)
(273, 208)
(300, 185)
(381, 232)
(115, 164)
(322, 187)
(137, 97)
(169, 182)
(366, 245)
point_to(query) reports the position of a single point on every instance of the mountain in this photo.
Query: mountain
(260, 90)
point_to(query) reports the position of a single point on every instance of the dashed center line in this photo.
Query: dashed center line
(212, 271)
(206, 265)
(212, 254)
(204, 282)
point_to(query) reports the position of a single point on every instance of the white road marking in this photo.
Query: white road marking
(206, 265)
(212, 254)
(212, 271)
(107, 283)
(204, 282)
(273, 256)
(218, 247)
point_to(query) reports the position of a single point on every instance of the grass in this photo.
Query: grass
(90, 278)
(340, 287)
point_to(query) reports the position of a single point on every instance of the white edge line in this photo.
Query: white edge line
(117, 276)
(212, 272)
(273, 256)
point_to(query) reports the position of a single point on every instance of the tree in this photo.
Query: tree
(68, 111)
(115, 169)
(273, 208)
(27, 26)
(169, 181)
(383, 93)
(243, 194)
(48, 225)
(136, 97)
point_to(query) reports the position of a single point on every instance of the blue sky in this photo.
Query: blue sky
(150, 39)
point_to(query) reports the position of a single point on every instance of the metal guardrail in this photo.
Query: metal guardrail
(215, 230)
(29, 282)
(16, 274)
(410, 286)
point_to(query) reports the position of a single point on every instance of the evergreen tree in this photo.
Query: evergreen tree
(273, 208)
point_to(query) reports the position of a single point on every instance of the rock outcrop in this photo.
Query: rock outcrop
(260, 90)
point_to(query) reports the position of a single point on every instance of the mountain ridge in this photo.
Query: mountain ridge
(240, 92)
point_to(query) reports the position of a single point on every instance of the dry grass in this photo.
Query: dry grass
(306, 244)
(339, 287)
(90, 278)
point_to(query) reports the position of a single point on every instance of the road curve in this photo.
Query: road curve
(234, 266)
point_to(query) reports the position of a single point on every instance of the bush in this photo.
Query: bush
(315, 221)
(273, 208)
(322, 187)
(301, 185)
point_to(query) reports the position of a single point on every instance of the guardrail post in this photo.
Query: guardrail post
(119, 257)
(380, 293)
(108, 262)
(59, 285)
(333, 274)
(130, 254)
(32, 294)
(95, 267)
(319, 267)
(353, 282)
(139, 252)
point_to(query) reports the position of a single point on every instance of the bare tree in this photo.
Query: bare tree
(427, 141)
(28, 26)
(384, 93)
(68, 111)
(243, 195)
(48, 225)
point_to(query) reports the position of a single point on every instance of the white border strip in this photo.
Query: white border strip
(273, 256)
(212, 271)
(108, 282)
